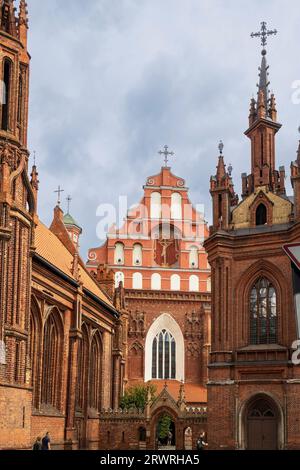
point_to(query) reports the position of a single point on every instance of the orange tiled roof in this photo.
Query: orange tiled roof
(194, 393)
(49, 247)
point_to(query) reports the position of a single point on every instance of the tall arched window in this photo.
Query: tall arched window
(261, 214)
(155, 205)
(176, 206)
(137, 281)
(155, 281)
(193, 258)
(52, 361)
(83, 353)
(263, 313)
(7, 66)
(34, 353)
(119, 253)
(20, 99)
(194, 283)
(95, 372)
(137, 255)
(119, 277)
(164, 356)
(175, 282)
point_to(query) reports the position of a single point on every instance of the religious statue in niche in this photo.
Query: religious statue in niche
(166, 247)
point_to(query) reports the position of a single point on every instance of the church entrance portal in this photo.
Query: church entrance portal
(262, 425)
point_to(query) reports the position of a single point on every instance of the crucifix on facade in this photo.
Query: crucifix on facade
(69, 199)
(166, 154)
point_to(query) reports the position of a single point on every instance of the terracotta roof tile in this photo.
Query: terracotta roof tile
(49, 247)
(194, 393)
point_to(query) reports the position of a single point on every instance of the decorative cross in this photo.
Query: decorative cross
(264, 33)
(166, 153)
(69, 199)
(59, 191)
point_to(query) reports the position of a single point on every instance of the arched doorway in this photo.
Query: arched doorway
(165, 432)
(261, 424)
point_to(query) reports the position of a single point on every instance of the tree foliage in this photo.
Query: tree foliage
(136, 396)
(164, 426)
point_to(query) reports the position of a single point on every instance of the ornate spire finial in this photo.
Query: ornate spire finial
(263, 34)
(221, 147)
(69, 199)
(166, 153)
(263, 69)
(59, 191)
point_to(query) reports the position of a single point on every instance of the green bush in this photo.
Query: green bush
(164, 427)
(136, 396)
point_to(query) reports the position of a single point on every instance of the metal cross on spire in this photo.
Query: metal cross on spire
(59, 191)
(69, 199)
(166, 153)
(264, 33)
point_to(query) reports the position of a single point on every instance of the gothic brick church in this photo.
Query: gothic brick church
(253, 386)
(206, 315)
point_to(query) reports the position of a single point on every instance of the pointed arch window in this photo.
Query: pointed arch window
(164, 356)
(6, 85)
(52, 360)
(95, 373)
(20, 99)
(263, 313)
(83, 353)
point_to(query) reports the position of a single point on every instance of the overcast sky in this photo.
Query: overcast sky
(112, 81)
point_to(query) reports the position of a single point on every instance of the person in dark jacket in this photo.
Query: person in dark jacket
(46, 442)
(201, 444)
(38, 444)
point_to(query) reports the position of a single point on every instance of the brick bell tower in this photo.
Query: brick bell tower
(253, 386)
(18, 200)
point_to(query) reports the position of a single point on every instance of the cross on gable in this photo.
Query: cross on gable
(59, 191)
(166, 153)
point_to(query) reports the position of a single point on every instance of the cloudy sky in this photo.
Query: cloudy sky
(112, 81)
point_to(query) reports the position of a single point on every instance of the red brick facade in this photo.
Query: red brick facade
(253, 386)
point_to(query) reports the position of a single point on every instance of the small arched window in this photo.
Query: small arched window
(263, 313)
(155, 205)
(261, 215)
(119, 253)
(176, 206)
(164, 356)
(194, 283)
(119, 277)
(137, 281)
(6, 84)
(193, 258)
(155, 281)
(175, 282)
(137, 255)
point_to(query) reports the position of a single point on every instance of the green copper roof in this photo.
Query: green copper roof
(68, 220)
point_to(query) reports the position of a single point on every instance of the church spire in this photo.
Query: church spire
(263, 127)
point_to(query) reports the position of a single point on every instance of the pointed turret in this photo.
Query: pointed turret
(23, 22)
(8, 18)
(222, 192)
(295, 180)
(263, 85)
